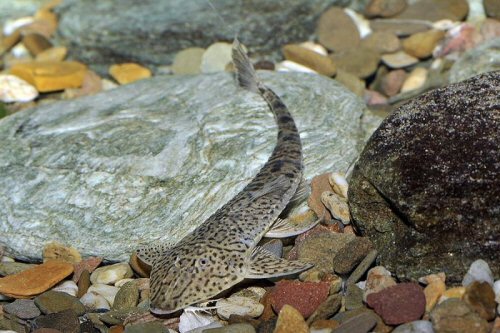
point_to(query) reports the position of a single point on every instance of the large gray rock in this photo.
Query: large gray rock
(152, 160)
(151, 32)
(426, 188)
(17, 9)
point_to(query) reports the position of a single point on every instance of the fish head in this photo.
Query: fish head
(185, 277)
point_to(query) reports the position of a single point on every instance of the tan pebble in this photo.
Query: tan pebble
(433, 292)
(336, 30)
(399, 59)
(108, 84)
(55, 250)
(8, 42)
(324, 325)
(416, 79)
(83, 283)
(111, 274)
(318, 48)
(351, 82)
(128, 72)
(339, 184)
(216, 57)
(35, 280)
(319, 184)
(188, 61)
(337, 206)
(441, 276)
(317, 62)
(456, 292)
(56, 53)
(290, 320)
(382, 41)
(291, 66)
(14, 89)
(36, 43)
(358, 61)
(384, 8)
(51, 76)
(378, 278)
(49, 19)
(421, 44)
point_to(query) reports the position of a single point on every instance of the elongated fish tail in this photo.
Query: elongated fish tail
(245, 73)
(247, 79)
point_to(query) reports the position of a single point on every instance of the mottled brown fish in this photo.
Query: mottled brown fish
(223, 250)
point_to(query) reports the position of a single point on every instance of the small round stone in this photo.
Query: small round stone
(55, 301)
(111, 274)
(22, 309)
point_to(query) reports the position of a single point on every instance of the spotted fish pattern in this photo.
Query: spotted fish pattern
(223, 250)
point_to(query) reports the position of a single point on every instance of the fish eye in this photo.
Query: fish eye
(203, 262)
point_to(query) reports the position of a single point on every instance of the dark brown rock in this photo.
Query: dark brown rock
(425, 189)
(336, 30)
(384, 8)
(454, 316)
(306, 297)
(398, 304)
(361, 323)
(481, 297)
(65, 321)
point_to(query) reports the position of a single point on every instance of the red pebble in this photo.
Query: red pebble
(303, 296)
(398, 304)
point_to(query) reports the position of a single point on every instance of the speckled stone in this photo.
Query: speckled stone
(290, 320)
(22, 308)
(64, 321)
(306, 297)
(127, 297)
(455, 316)
(351, 255)
(56, 301)
(480, 297)
(439, 143)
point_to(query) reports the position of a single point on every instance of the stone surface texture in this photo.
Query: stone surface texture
(426, 187)
(165, 28)
(152, 160)
(481, 59)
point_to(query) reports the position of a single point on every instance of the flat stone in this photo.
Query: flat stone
(233, 328)
(238, 305)
(351, 82)
(327, 309)
(415, 80)
(480, 297)
(386, 184)
(129, 72)
(455, 316)
(117, 317)
(35, 280)
(64, 321)
(319, 185)
(317, 62)
(127, 297)
(337, 206)
(88, 264)
(400, 29)
(83, 283)
(22, 309)
(357, 61)
(55, 53)
(381, 42)
(353, 297)
(336, 30)
(363, 266)
(68, 287)
(188, 61)
(398, 304)
(57, 251)
(433, 292)
(108, 292)
(51, 76)
(399, 59)
(421, 44)
(290, 320)
(9, 268)
(320, 326)
(94, 302)
(36, 43)
(216, 57)
(121, 173)
(361, 323)
(55, 301)
(306, 297)
(431, 10)
(392, 82)
(151, 327)
(384, 8)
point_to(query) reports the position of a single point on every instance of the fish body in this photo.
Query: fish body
(223, 250)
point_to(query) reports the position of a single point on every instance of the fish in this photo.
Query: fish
(224, 250)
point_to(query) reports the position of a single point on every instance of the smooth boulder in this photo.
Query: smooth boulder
(426, 188)
(152, 160)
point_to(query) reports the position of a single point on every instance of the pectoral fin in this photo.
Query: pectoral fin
(263, 264)
(150, 253)
(283, 228)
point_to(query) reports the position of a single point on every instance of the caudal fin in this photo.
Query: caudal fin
(245, 73)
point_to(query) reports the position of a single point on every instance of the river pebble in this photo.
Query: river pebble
(111, 274)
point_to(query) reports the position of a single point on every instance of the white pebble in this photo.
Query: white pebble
(21, 52)
(193, 318)
(111, 274)
(478, 271)
(4, 258)
(14, 89)
(216, 57)
(415, 80)
(290, 66)
(108, 84)
(93, 301)
(417, 326)
(242, 306)
(360, 21)
(12, 25)
(68, 287)
(108, 292)
(339, 183)
(318, 48)
(496, 289)
(476, 11)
